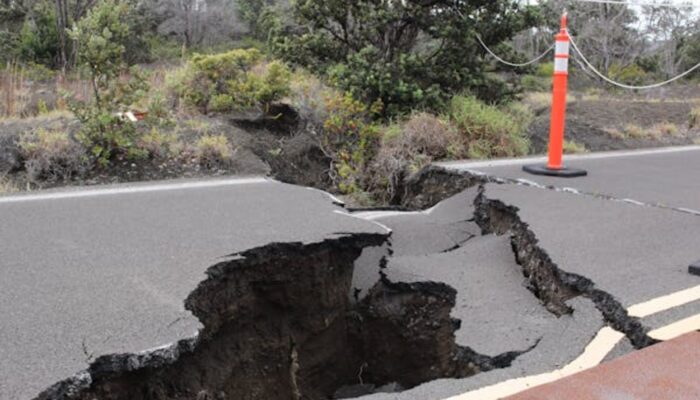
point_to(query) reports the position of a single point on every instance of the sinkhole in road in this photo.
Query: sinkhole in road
(279, 323)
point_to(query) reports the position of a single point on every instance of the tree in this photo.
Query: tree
(101, 37)
(607, 33)
(406, 54)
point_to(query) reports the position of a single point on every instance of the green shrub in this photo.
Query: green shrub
(532, 83)
(694, 118)
(238, 79)
(159, 145)
(572, 147)
(52, 155)
(486, 130)
(350, 139)
(213, 151)
(221, 103)
(406, 148)
(631, 74)
(545, 70)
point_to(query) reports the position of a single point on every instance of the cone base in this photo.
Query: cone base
(561, 173)
(694, 269)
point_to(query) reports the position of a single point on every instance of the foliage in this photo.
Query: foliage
(406, 148)
(533, 83)
(38, 39)
(101, 38)
(349, 139)
(631, 74)
(573, 147)
(694, 118)
(159, 145)
(212, 151)
(406, 54)
(486, 130)
(238, 79)
(52, 155)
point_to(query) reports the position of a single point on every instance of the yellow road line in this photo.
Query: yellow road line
(664, 303)
(677, 329)
(595, 352)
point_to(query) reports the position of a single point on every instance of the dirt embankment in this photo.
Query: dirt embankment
(616, 122)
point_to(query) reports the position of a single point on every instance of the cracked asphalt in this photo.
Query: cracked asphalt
(629, 227)
(108, 272)
(88, 273)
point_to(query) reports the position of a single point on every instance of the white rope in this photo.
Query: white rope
(622, 85)
(541, 56)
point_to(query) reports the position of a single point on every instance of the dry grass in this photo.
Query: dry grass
(694, 118)
(212, 151)
(572, 147)
(6, 186)
(655, 132)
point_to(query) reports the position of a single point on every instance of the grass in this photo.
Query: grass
(572, 147)
(6, 186)
(694, 118)
(655, 132)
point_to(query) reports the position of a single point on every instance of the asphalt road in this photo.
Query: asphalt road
(666, 177)
(100, 271)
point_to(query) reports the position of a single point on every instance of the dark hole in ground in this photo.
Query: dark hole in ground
(280, 323)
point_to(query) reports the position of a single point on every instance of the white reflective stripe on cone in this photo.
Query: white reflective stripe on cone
(561, 64)
(562, 48)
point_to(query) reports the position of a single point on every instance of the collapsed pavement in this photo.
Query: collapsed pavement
(472, 291)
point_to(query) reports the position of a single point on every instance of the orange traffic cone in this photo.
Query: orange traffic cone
(554, 166)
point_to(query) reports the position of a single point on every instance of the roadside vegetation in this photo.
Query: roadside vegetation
(364, 93)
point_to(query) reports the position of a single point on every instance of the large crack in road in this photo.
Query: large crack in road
(289, 321)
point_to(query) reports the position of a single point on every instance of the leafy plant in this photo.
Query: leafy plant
(100, 38)
(213, 151)
(405, 54)
(486, 130)
(238, 79)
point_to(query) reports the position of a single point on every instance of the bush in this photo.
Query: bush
(408, 147)
(631, 74)
(694, 118)
(213, 151)
(159, 145)
(545, 70)
(572, 147)
(487, 131)
(238, 79)
(350, 139)
(532, 83)
(52, 155)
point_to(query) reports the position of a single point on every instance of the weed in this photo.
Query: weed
(160, 145)
(666, 129)
(572, 147)
(487, 130)
(694, 118)
(213, 151)
(6, 186)
(52, 155)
